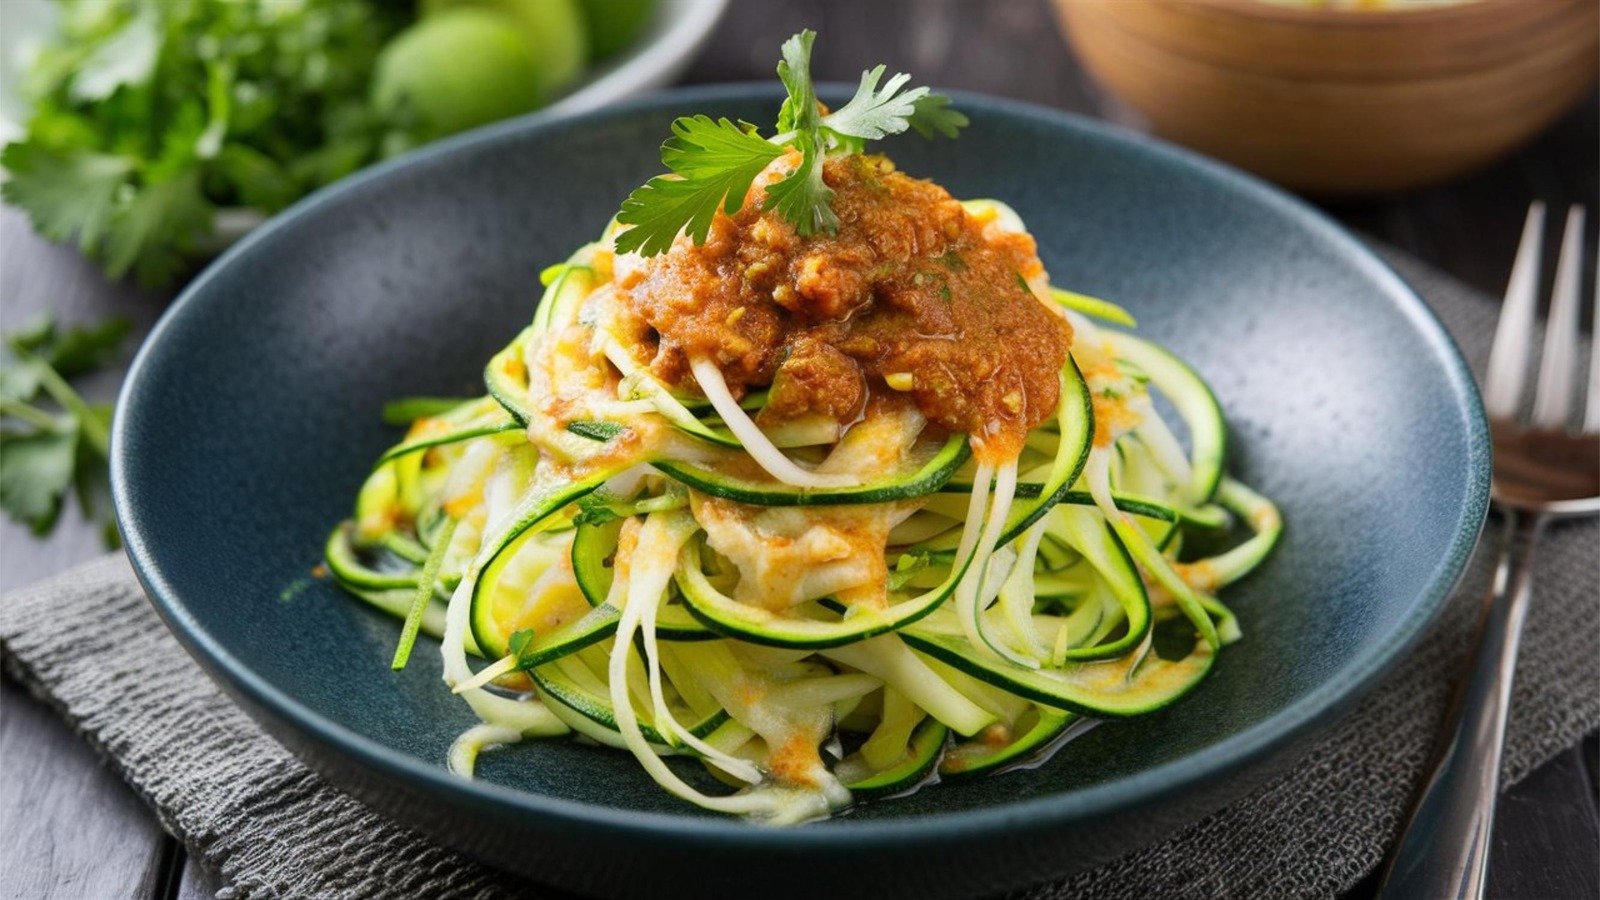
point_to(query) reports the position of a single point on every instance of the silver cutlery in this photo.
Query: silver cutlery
(1546, 467)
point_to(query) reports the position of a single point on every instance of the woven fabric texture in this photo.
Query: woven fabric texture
(269, 827)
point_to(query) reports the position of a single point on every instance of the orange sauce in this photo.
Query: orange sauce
(912, 291)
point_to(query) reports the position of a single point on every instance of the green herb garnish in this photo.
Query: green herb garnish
(597, 431)
(54, 440)
(521, 647)
(601, 507)
(150, 115)
(520, 656)
(714, 162)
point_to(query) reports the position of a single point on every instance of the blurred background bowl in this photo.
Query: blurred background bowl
(1343, 101)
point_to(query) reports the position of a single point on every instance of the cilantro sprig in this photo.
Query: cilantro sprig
(150, 116)
(55, 442)
(713, 162)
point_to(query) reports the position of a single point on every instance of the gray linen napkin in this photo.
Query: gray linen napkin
(268, 827)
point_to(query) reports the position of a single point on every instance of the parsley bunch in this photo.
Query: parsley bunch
(714, 162)
(51, 440)
(154, 113)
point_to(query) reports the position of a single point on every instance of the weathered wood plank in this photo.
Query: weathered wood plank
(197, 883)
(75, 829)
(1591, 765)
(72, 829)
(1546, 837)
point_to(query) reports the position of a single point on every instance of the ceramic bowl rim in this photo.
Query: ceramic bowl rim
(1418, 19)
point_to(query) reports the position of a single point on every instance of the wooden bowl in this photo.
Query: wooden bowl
(1342, 101)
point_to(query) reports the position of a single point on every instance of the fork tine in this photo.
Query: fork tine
(1508, 357)
(1552, 404)
(1591, 419)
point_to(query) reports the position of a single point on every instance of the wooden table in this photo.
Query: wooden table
(75, 831)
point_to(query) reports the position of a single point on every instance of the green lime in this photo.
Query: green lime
(456, 70)
(613, 24)
(553, 29)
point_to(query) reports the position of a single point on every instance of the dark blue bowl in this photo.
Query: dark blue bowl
(251, 417)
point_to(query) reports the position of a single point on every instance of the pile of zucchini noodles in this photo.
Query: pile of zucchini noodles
(588, 533)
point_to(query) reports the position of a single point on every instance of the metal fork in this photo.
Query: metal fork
(1542, 471)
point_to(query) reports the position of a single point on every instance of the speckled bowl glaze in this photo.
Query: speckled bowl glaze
(251, 417)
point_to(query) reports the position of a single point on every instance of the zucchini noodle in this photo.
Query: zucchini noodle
(758, 445)
(777, 610)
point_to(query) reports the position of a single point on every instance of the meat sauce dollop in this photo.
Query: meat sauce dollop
(913, 296)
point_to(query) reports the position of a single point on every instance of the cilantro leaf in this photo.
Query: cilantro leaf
(907, 567)
(260, 180)
(601, 507)
(713, 164)
(596, 508)
(802, 197)
(126, 218)
(40, 344)
(34, 334)
(66, 194)
(35, 472)
(873, 114)
(85, 348)
(20, 382)
(799, 112)
(932, 114)
(521, 647)
(157, 231)
(55, 442)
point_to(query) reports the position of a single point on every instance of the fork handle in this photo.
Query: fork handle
(1444, 852)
